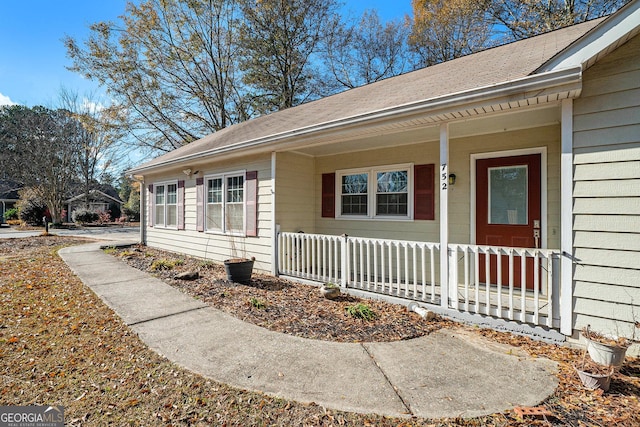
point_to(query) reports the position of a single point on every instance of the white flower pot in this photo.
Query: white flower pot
(606, 354)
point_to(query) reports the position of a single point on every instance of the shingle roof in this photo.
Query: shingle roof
(9, 189)
(486, 68)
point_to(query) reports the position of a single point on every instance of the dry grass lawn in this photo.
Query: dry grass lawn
(60, 345)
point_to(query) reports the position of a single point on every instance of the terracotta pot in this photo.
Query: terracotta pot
(239, 270)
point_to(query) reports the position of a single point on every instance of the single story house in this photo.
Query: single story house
(502, 187)
(8, 196)
(105, 199)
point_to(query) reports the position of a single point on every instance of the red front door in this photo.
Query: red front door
(508, 210)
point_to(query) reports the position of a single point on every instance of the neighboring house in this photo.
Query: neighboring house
(523, 161)
(8, 196)
(104, 200)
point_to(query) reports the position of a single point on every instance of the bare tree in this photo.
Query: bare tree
(279, 39)
(442, 30)
(367, 51)
(97, 139)
(171, 69)
(526, 18)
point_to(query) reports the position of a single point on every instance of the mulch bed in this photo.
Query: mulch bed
(282, 305)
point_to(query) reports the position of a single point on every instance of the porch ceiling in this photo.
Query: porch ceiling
(471, 122)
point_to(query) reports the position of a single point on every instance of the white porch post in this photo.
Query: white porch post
(566, 219)
(143, 212)
(444, 215)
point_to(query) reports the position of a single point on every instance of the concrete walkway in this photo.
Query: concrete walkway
(446, 374)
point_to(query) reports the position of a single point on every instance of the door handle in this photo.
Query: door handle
(536, 237)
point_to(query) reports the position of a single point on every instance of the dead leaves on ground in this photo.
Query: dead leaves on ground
(281, 305)
(60, 345)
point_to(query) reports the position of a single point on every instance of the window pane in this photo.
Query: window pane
(172, 215)
(214, 190)
(354, 184)
(159, 189)
(354, 194)
(392, 204)
(508, 195)
(392, 193)
(392, 182)
(235, 185)
(354, 205)
(172, 194)
(235, 217)
(159, 220)
(214, 216)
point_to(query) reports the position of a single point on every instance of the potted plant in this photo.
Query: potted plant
(239, 267)
(239, 270)
(606, 350)
(330, 290)
(593, 375)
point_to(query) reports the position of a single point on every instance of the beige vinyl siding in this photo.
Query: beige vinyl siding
(460, 152)
(420, 153)
(295, 191)
(213, 246)
(607, 193)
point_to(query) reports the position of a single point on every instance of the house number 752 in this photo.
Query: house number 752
(443, 176)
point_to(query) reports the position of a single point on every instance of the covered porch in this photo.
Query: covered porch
(517, 284)
(526, 282)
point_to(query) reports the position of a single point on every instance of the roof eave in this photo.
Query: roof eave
(528, 84)
(606, 36)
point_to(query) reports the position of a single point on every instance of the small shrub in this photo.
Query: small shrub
(33, 211)
(207, 264)
(11, 214)
(104, 217)
(255, 302)
(178, 262)
(84, 216)
(360, 311)
(162, 264)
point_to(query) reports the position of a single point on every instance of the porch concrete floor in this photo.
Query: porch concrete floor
(447, 374)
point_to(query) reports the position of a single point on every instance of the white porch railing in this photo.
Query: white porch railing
(516, 284)
(393, 267)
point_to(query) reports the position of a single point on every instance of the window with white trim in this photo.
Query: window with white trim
(375, 193)
(166, 205)
(225, 207)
